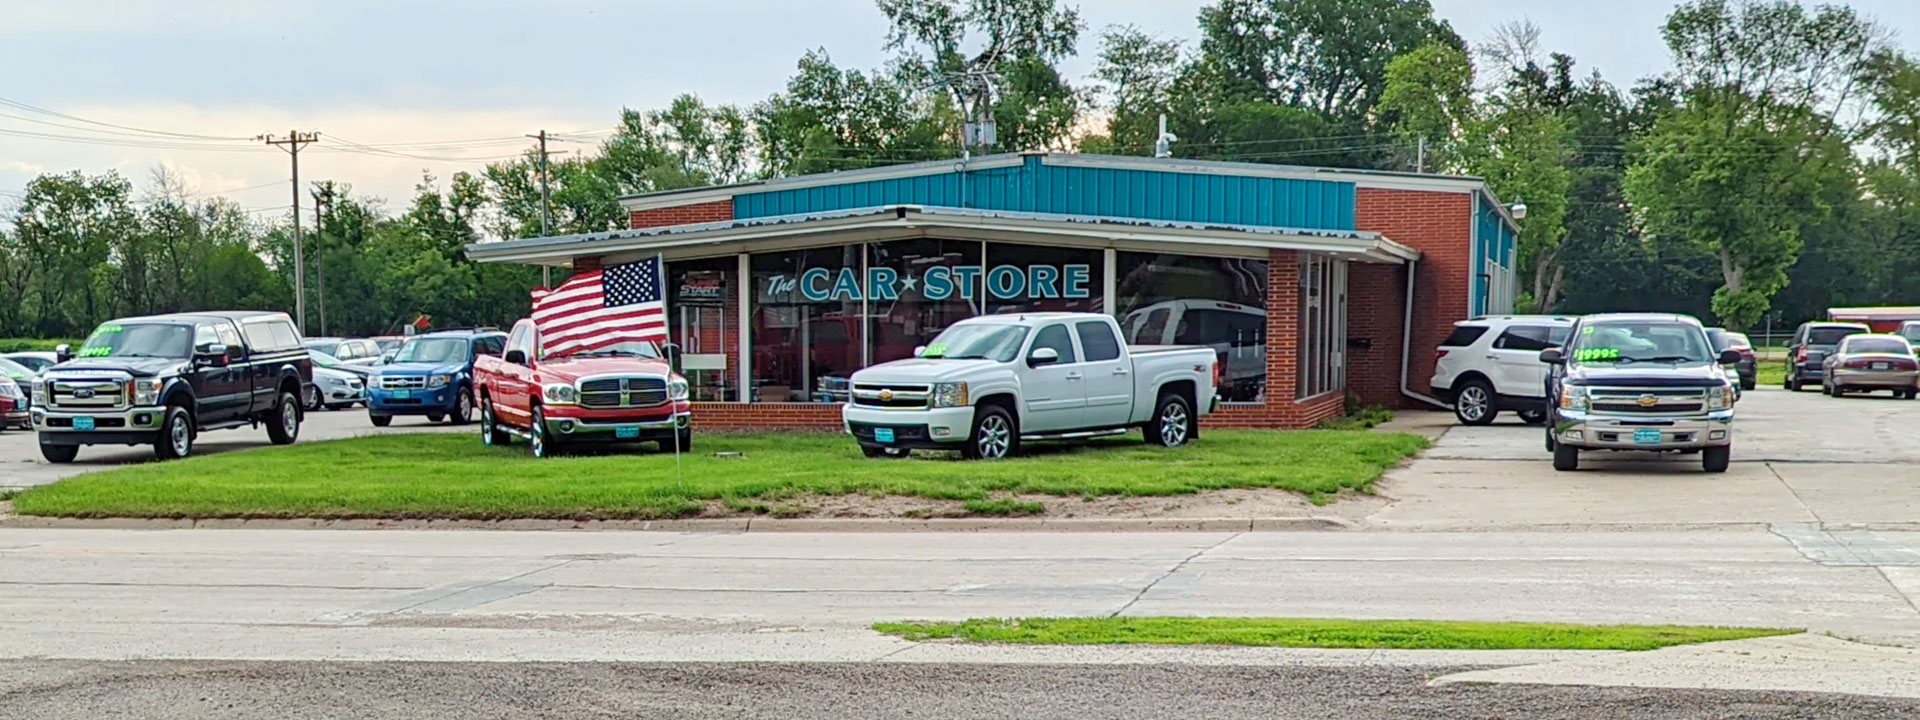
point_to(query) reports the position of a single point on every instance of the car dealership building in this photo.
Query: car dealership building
(1311, 283)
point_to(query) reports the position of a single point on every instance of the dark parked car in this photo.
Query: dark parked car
(164, 379)
(1748, 369)
(1807, 352)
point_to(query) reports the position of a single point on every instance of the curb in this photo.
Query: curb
(747, 524)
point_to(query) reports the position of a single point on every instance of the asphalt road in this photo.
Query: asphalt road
(53, 690)
(22, 466)
(672, 597)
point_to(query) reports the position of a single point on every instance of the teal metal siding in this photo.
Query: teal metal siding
(1101, 192)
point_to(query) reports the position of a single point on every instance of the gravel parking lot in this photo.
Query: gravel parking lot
(21, 465)
(1797, 458)
(410, 691)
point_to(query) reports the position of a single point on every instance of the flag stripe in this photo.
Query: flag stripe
(593, 310)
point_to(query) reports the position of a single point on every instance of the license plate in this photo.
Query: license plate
(1646, 437)
(627, 431)
(83, 423)
(403, 394)
(1883, 366)
(883, 434)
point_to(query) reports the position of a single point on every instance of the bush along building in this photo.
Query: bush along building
(1309, 282)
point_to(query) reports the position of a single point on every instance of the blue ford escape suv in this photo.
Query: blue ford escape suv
(431, 375)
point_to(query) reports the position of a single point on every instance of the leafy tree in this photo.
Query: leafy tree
(1751, 157)
(584, 198)
(1428, 99)
(69, 226)
(1327, 56)
(689, 144)
(1014, 75)
(830, 118)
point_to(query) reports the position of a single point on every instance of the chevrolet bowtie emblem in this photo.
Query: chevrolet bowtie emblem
(1648, 401)
(886, 395)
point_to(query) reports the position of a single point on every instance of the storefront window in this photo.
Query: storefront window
(1040, 278)
(1189, 300)
(703, 315)
(915, 289)
(1321, 354)
(806, 324)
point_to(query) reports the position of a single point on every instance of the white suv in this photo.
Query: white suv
(1491, 364)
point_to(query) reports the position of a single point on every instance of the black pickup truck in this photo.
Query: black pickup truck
(161, 380)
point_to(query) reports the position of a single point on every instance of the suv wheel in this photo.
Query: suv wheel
(1475, 404)
(284, 427)
(175, 439)
(59, 454)
(380, 420)
(462, 408)
(1715, 459)
(1793, 384)
(1172, 422)
(994, 435)
(1534, 417)
(1566, 457)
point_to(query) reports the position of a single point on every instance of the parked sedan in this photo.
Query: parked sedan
(1748, 369)
(16, 391)
(34, 360)
(1865, 363)
(336, 385)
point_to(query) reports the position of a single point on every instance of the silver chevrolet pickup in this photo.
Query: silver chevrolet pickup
(1639, 382)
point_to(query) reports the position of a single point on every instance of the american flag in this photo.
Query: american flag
(592, 310)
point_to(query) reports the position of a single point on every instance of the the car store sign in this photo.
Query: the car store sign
(1003, 282)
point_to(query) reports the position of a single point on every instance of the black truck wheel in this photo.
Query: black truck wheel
(59, 454)
(284, 426)
(1566, 457)
(175, 439)
(1715, 459)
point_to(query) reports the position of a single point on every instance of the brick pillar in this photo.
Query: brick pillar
(1283, 327)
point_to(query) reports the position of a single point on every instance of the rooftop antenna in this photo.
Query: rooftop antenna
(1163, 146)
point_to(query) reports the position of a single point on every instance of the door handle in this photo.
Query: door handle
(1119, 371)
(1073, 376)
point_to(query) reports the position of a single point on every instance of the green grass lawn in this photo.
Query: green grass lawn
(454, 476)
(1316, 633)
(1771, 372)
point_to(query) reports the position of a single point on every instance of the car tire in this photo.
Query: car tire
(681, 442)
(876, 451)
(462, 408)
(1566, 458)
(1534, 417)
(313, 399)
(1910, 393)
(1792, 384)
(545, 445)
(1715, 459)
(1172, 423)
(380, 420)
(435, 418)
(995, 435)
(1475, 403)
(284, 427)
(1749, 384)
(59, 454)
(490, 431)
(175, 439)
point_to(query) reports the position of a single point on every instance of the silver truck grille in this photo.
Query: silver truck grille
(892, 396)
(84, 392)
(1647, 401)
(640, 391)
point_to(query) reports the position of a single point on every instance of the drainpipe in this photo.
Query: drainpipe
(1406, 342)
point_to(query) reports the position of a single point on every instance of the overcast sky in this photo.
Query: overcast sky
(432, 71)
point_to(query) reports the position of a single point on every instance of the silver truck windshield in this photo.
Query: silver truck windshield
(982, 341)
(1630, 342)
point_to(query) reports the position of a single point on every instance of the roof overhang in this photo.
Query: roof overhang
(900, 222)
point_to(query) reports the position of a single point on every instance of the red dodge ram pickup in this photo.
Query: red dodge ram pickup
(618, 394)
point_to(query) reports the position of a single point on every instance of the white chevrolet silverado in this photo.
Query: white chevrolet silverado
(988, 383)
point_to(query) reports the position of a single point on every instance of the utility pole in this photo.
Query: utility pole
(1420, 160)
(546, 206)
(292, 144)
(322, 198)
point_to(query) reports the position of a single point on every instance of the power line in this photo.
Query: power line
(44, 111)
(116, 142)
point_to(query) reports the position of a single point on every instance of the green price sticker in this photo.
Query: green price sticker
(1596, 354)
(107, 330)
(1588, 330)
(935, 350)
(96, 352)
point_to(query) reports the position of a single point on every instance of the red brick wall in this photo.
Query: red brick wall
(588, 263)
(1440, 226)
(681, 214)
(764, 416)
(1376, 301)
